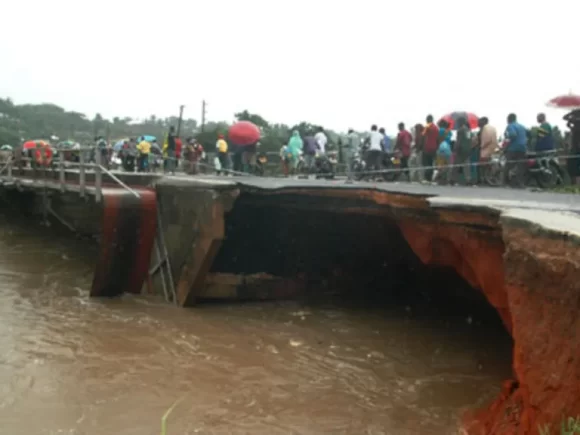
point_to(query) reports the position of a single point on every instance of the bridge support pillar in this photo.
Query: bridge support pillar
(193, 228)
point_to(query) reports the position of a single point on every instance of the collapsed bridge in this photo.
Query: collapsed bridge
(259, 239)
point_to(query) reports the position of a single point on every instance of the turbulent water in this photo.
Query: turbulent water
(72, 365)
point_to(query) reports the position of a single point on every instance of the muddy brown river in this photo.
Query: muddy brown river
(74, 365)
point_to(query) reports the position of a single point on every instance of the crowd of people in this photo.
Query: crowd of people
(449, 152)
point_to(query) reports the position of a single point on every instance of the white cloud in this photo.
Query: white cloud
(341, 64)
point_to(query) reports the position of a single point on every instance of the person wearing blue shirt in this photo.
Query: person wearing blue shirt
(516, 136)
(386, 142)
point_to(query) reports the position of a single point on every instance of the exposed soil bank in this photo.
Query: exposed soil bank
(528, 273)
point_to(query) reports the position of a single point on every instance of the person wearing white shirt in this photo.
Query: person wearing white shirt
(374, 153)
(321, 140)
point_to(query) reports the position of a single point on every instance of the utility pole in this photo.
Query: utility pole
(203, 105)
(180, 119)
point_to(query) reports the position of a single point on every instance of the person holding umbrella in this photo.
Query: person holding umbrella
(249, 157)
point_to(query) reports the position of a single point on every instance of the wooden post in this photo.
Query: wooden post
(180, 120)
(61, 170)
(82, 178)
(98, 176)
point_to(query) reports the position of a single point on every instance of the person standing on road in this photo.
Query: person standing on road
(545, 142)
(310, 147)
(374, 152)
(321, 140)
(222, 150)
(416, 160)
(517, 144)
(351, 146)
(430, 147)
(249, 157)
(403, 145)
(488, 144)
(295, 145)
(463, 145)
(169, 148)
(102, 150)
(386, 142)
(144, 149)
(443, 156)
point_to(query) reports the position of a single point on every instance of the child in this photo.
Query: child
(443, 158)
(284, 151)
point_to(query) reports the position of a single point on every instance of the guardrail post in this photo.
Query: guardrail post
(61, 170)
(98, 175)
(82, 178)
(9, 168)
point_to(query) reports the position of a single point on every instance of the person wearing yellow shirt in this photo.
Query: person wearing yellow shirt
(144, 148)
(222, 149)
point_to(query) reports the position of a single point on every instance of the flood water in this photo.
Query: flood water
(72, 365)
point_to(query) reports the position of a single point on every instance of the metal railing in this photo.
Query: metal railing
(47, 170)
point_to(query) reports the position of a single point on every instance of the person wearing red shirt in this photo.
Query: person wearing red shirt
(431, 144)
(403, 144)
(178, 147)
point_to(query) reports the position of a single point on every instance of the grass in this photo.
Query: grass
(568, 189)
(166, 416)
(570, 426)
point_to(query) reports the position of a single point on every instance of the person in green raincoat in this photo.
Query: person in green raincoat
(294, 147)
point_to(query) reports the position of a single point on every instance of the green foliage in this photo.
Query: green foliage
(569, 426)
(42, 121)
(166, 416)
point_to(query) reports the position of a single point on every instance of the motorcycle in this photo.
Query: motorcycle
(129, 161)
(541, 168)
(392, 165)
(545, 169)
(358, 166)
(493, 173)
(324, 165)
(261, 162)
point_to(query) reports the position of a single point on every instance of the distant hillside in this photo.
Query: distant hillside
(19, 122)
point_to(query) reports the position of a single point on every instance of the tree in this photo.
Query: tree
(41, 121)
(256, 119)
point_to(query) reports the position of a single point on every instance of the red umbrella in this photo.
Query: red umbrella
(568, 101)
(31, 144)
(244, 133)
(451, 118)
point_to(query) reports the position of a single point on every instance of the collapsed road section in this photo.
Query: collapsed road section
(261, 239)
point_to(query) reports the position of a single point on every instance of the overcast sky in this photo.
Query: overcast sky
(341, 64)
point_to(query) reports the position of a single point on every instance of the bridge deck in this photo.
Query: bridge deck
(556, 212)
